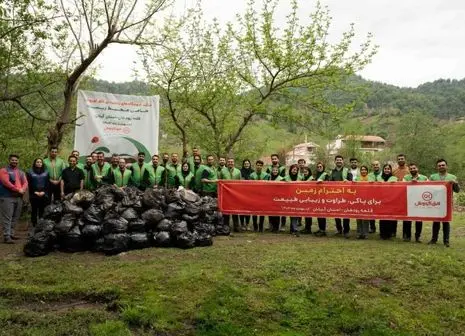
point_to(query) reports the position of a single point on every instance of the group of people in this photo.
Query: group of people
(52, 178)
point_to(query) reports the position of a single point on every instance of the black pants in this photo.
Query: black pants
(235, 219)
(345, 227)
(245, 220)
(386, 228)
(308, 224)
(283, 221)
(54, 192)
(274, 223)
(209, 193)
(258, 222)
(321, 224)
(394, 228)
(37, 208)
(407, 229)
(445, 231)
(372, 225)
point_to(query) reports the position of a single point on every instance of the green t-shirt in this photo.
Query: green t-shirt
(259, 177)
(231, 174)
(54, 168)
(420, 178)
(122, 179)
(372, 177)
(438, 177)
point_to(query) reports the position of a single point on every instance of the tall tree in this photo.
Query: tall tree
(223, 80)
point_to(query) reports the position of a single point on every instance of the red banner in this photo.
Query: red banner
(393, 200)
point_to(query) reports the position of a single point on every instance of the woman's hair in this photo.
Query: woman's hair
(36, 169)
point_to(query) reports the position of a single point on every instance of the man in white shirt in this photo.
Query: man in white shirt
(354, 170)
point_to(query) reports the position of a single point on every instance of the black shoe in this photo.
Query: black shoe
(446, 244)
(372, 231)
(432, 242)
(417, 240)
(346, 236)
(407, 240)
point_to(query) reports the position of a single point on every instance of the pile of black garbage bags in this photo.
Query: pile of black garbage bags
(113, 220)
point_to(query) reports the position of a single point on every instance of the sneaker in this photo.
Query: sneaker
(8, 240)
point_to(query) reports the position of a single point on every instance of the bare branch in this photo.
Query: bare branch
(88, 22)
(78, 42)
(25, 109)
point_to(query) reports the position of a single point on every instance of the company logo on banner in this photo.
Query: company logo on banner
(427, 200)
(114, 123)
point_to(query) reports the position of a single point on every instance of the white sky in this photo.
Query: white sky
(419, 40)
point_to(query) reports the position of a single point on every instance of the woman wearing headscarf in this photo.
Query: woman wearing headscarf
(363, 225)
(307, 176)
(185, 177)
(293, 176)
(387, 228)
(321, 176)
(246, 171)
(38, 180)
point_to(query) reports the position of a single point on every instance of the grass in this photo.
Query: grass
(247, 284)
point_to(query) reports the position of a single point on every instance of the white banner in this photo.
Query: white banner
(114, 123)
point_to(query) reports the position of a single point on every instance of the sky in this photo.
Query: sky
(419, 40)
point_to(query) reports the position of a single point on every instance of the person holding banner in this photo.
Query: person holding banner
(185, 178)
(259, 175)
(374, 176)
(363, 225)
(402, 169)
(414, 176)
(282, 172)
(138, 169)
(443, 175)
(222, 166)
(231, 173)
(122, 177)
(341, 173)
(154, 174)
(293, 176)
(101, 170)
(321, 176)
(387, 227)
(307, 176)
(246, 171)
(274, 220)
(54, 165)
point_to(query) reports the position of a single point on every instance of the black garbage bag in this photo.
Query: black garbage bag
(192, 209)
(71, 241)
(110, 215)
(139, 240)
(179, 227)
(138, 225)
(46, 225)
(174, 210)
(70, 208)
(185, 240)
(80, 222)
(205, 228)
(65, 225)
(91, 231)
(131, 197)
(162, 239)
(152, 217)
(98, 245)
(94, 214)
(83, 198)
(115, 225)
(190, 219)
(106, 202)
(209, 204)
(172, 196)
(164, 225)
(119, 208)
(39, 245)
(130, 214)
(153, 199)
(115, 243)
(203, 239)
(53, 211)
(223, 230)
(189, 196)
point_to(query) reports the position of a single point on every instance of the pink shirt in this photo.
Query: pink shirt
(20, 180)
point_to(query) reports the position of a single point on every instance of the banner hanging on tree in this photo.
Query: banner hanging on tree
(114, 123)
(397, 200)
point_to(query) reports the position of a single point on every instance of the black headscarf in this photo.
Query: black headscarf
(36, 169)
(245, 172)
(384, 176)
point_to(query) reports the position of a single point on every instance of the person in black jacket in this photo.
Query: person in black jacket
(38, 181)
(246, 170)
(341, 173)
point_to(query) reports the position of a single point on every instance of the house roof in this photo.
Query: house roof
(306, 144)
(367, 138)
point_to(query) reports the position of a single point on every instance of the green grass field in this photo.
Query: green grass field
(246, 284)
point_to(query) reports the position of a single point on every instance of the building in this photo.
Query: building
(364, 143)
(306, 151)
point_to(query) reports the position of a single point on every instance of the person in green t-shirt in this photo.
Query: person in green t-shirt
(282, 172)
(231, 173)
(387, 227)
(185, 178)
(173, 169)
(258, 175)
(320, 176)
(413, 176)
(114, 161)
(88, 174)
(443, 175)
(121, 177)
(274, 220)
(102, 171)
(77, 155)
(54, 166)
(165, 160)
(209, 178)
(374, 176)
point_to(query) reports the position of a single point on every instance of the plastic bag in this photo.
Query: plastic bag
(98, 245)
(203, 239)
(70, 208)
(185, 240)
(192, 209)
(138, 225)
(115, 243)
(46, 225)
(115, 225)
(131, 197)
(65, 225)
(53, 212)
(91, 231)
(205, 228)
(130, 214)
(83, 198)
(174, 210)
(190, 219)
(71, 241)
(162, 239)
(152, 217)
(164, 225)
(39, 245)
(139, 240)
(223, 230)
(172, 196)
(153, 198)
(178, 228)
(94, 214)
(189, 196)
